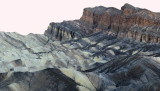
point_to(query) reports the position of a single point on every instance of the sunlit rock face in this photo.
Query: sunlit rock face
(121, 21)
(82, 55)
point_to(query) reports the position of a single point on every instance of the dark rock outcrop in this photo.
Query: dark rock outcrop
(63, 31)
(45, 80)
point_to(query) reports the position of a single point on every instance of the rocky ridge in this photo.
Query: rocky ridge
(122, 22)
(83, 55)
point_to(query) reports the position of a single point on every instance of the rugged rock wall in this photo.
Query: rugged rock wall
(64, 31)
(142, 34)
(120, 21)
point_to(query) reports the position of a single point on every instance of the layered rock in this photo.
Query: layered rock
(143, 34)
(97, 62)
(120, 21)
(95, 53)
(64, 31)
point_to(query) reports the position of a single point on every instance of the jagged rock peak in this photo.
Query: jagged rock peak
(101, 10)
(129, 6)
(97, 9)
(128, 9)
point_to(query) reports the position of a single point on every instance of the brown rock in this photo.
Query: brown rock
(130, 22)
(120, 21)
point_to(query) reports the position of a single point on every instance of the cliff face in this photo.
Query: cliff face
(63, 31)
(121, 21)
(142, 34)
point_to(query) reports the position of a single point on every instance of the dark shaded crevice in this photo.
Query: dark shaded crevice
(47, 79)
(123, 78)
(114, 64)
(57, 33)
(122, 63)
